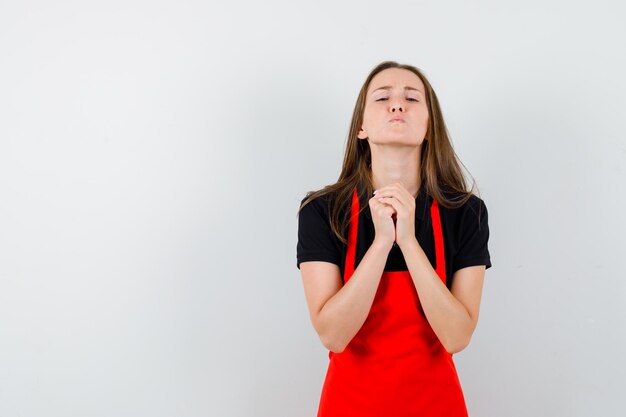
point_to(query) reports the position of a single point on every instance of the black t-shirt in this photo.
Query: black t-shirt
(465, 235)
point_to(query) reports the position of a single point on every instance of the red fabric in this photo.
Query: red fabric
(395, 366)
(440, 259)
(354, 218)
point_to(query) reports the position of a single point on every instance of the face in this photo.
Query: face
(395, 93)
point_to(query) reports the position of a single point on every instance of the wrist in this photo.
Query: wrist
(381, 245)
(409, 244)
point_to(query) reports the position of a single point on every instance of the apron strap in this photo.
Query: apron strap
(440, 258)
(354, 226)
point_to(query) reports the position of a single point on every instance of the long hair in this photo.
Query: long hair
(440, 170)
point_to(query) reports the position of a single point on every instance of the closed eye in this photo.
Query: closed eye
(385, 98)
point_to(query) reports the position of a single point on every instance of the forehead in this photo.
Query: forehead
(397, 78)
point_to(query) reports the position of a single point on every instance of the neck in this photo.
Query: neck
(395, 164)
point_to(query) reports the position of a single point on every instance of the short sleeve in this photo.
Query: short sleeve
(473, 236)
(316, 240)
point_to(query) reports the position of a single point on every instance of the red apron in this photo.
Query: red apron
(395, 366)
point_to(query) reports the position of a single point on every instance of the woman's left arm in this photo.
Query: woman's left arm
(452, 314)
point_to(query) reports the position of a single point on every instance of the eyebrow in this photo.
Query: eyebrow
(388, 87)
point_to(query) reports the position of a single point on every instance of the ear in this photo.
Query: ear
(362, 134)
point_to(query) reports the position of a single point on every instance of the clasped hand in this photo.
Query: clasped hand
(397, 197)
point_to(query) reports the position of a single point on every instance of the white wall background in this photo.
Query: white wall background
(153, 156)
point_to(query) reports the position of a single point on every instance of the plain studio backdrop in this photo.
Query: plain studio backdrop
(153, 156)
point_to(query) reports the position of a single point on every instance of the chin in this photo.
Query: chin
(399, 140)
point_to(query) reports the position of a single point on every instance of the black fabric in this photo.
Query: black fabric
(465, 235)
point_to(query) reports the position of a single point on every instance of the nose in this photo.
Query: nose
(395, 105)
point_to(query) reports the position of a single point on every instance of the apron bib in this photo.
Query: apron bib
(395, 366)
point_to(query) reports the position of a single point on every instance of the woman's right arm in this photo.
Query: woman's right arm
(337, 312)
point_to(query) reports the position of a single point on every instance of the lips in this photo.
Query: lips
(397, 119)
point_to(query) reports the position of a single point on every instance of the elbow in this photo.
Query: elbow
(461, 341)
(336, 349)
(329, 339)
(332, 345)
(456, 346)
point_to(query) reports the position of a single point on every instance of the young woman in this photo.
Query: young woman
(393, 257)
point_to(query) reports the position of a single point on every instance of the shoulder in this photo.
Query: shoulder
(473, 202)
(471, 212)
(319, 205)
(475, 205)
(316, 213)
